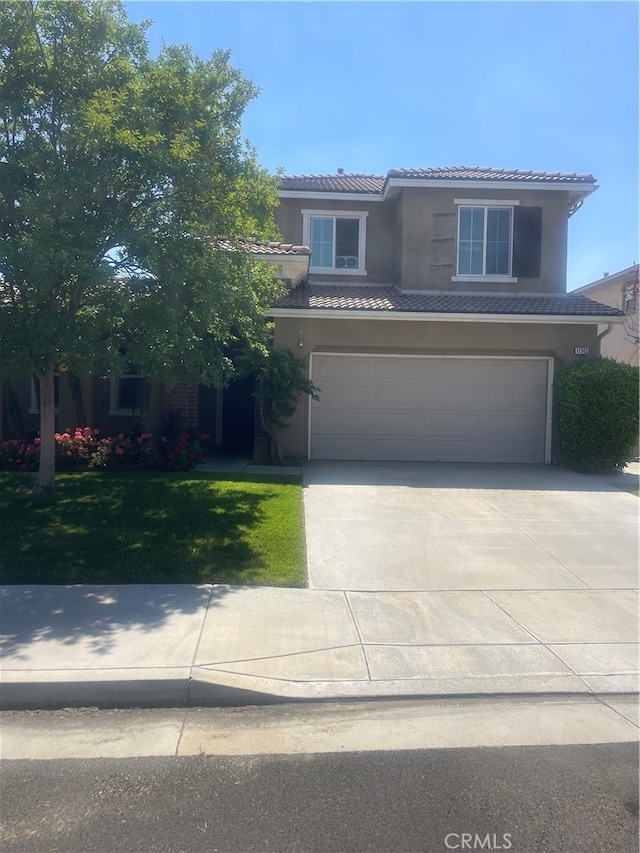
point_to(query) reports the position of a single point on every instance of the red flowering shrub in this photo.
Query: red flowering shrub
(82, 448)
(17, 454)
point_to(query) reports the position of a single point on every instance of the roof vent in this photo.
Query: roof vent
(605, 275)
(341, 171)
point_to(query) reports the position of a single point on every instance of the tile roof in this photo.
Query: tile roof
(271, 248)
(334, 183)
(356, 183)
(365, 298)
(486, 173)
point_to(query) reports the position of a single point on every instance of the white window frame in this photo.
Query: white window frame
(360, 215)
(34, 408)
(485, 205)
(114, 395)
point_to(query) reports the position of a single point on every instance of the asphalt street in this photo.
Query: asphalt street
(569, 799)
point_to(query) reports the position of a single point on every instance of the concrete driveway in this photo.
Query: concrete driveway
(476, 573)
(431, 526)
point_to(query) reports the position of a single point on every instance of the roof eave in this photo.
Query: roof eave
(578, 189)
(441, 316)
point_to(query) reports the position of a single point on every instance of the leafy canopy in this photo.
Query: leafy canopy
(113, 165)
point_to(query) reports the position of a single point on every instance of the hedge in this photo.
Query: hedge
(596, 414)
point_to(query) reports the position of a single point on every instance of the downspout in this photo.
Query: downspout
(602, 335)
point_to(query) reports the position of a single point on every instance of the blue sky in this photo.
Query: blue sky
(373, 86)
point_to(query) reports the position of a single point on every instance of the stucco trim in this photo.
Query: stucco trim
(358, 314)
(581, 188)
(548, 359)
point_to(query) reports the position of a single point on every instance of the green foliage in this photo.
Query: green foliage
(282, 379)
(115, 165)
(596, 414)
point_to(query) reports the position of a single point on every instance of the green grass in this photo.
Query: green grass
(151, 527)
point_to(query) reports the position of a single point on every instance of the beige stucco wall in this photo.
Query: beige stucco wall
(419, 337)
(411, 239)
(429, 235)
(380, 255)
(615, 344)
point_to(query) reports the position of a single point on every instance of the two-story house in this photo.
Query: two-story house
(435, 312)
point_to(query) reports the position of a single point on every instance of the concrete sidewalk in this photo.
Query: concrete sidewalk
(176, 645)
(529, 586)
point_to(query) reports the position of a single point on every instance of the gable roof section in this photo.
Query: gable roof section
(346, 300)
(619, 276)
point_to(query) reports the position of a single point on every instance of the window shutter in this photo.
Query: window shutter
(527, 237)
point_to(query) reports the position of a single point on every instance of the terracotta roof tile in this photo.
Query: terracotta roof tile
(334, 183)
(365, 298)
(271, 248)
(358, 183)
(486, 173)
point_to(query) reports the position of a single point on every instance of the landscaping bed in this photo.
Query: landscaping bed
(152, 527)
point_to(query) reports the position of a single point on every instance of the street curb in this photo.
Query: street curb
(226, 690)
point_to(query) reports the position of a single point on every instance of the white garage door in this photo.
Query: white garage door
(429, 409)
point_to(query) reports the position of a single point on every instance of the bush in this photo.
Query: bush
(82, 448)
(596, 414)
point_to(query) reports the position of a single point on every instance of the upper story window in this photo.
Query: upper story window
(498, 240)
(337, 240)
(485, 237)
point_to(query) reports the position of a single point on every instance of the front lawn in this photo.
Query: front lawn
(152, 527)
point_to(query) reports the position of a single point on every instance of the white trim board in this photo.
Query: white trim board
(355, 313)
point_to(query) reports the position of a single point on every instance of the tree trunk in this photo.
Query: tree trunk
(75, 389)
(275, 442)
(13, 411)
(45, 481)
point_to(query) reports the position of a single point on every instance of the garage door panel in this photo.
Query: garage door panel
(408, 395)
(344, 394)
(398, 423)
(398, 368)
(450, 423)
(510, 425)
(516, 396)
(341, 422)
(457, 370)
(340, 368)
(430, 409)
(500, 370)
(458, 396)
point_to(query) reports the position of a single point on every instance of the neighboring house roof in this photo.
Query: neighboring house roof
(271, 248)
(608, 278)
(378, 184)
(390, 299)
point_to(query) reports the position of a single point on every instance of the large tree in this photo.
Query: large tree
(120, 178)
